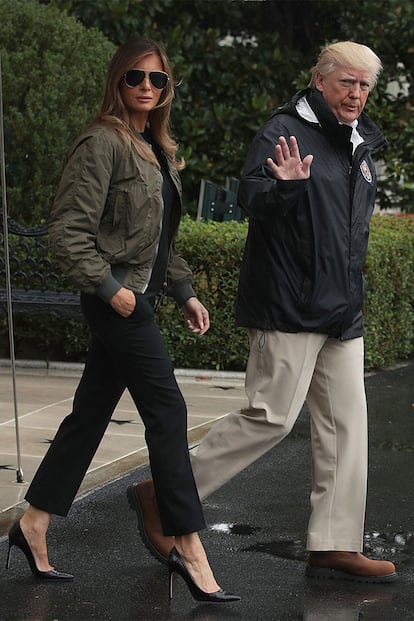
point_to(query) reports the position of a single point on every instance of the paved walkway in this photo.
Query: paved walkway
(257, 522)
(44, 398)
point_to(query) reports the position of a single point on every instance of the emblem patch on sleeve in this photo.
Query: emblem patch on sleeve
(366, 173)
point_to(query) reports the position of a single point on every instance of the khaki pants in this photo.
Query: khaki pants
(283, 371)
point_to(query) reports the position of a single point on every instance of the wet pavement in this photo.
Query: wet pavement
(45, 397)
(255, 539)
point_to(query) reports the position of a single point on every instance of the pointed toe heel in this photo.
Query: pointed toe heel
(16, 538)
(176, 565)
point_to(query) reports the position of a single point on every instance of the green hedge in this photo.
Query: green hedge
(389, 306)
(214, 251)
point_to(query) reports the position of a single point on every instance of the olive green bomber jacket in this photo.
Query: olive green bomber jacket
(106, 219)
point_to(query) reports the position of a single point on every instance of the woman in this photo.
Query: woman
(113, 227)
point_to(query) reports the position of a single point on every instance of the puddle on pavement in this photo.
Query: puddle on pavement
(282, 548)
(395, 547)
(234, 529)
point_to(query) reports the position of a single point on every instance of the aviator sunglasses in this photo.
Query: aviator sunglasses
(158, 79)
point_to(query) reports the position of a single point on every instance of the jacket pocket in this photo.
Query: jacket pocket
(113, 226)
(115, 215)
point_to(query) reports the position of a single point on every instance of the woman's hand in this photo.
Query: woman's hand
(123, 302)
(197, 316)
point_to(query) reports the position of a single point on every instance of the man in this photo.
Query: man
(300, 296)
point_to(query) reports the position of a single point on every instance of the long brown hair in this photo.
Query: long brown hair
(114, 113)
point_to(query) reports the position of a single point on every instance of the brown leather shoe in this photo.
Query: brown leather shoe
(349, 566)
(142, 500)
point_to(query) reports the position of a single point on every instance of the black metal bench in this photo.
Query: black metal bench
(219, 203)
(37, 284)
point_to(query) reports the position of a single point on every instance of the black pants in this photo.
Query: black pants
(124, 353)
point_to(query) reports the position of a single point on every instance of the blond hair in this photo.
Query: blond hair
(347, 54)
(114, 113)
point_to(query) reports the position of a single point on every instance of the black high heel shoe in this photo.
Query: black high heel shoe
(176, 565)
(16, 538)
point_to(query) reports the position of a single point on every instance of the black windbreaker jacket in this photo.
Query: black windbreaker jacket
(307, 240)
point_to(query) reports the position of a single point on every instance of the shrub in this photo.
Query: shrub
(53, 76)
(389, 305)
(214, 251)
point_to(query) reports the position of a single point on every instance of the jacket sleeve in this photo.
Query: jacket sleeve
(77, 211)
(261, 195)
(179, 278)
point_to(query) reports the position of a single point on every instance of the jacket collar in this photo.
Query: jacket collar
(337, 133)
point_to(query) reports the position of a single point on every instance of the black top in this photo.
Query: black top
(170, 198)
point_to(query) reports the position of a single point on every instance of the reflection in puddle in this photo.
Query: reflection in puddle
(342, 602)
